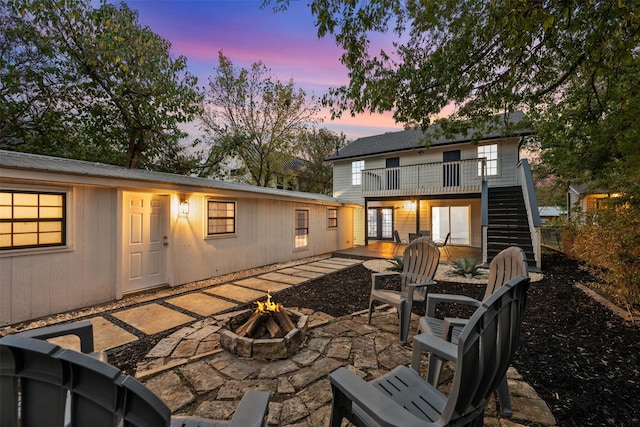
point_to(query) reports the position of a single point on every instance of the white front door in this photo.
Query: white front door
(146, 239)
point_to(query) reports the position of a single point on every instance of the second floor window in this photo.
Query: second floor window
(302, 228)
(356, 172)
(221, 217)
(31, 220)
(490, 152)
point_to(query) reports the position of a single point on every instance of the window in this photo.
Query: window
(490, 152)
(332, 217)
(221, 217)
(453, 219)
(302, 228)
(31, 220)
(356, 172)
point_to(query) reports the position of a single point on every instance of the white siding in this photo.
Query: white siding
(37, 283)
(264, 235)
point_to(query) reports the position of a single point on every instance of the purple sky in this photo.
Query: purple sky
(285, 42)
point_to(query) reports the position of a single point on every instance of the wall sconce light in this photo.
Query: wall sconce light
(184, 208)
(410, 205)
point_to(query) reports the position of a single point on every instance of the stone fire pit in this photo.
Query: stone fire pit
(263, 348)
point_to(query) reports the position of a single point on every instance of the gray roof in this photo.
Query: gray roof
(551, 211)
(411, 139)
(36, 162)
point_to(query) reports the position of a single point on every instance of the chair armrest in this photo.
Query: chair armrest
(82, 329)
(434, 299)
(376, 278)
(252, 410)
(449, 323)
(436, 346)
(347, 386)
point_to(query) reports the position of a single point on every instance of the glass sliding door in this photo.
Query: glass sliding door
(453, 219)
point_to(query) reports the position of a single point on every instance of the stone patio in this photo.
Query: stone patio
(209, 382)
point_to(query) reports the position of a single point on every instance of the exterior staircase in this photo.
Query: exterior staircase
(508, 223)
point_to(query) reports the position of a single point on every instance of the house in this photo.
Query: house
(479, 191)
(75, 233)
(285, 177)
(582, 199)
(551, 213)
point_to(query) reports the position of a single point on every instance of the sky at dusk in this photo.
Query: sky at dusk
(285, 42)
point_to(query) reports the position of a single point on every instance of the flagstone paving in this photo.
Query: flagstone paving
(211, 383)
(262, 284)
(153, 318)
(201, 303)
(236, 293)
(283, 278)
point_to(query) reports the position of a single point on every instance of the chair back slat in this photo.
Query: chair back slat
(94, 396)
(420, 262)
(55, 387)
(509, 263)
(486, 348)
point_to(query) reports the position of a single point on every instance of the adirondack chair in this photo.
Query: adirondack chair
(508, 264)
(443, 245)
(398, 241)
(42, 384)
(401, 397)
(82, 329)
(420, 261)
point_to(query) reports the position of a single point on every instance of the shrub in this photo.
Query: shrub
(609, 242)
(465, 266)
(397, 263)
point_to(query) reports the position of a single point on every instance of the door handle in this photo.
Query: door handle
(164, 241)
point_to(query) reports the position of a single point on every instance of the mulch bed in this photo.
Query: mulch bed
(582, 359)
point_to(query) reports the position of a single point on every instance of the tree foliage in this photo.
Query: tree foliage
(573, 66)
(316, 147)
(250, 114)
(92, 83)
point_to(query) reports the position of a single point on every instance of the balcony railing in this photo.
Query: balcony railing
(458, 177)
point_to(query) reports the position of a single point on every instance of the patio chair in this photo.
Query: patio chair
(420, 261)
(413, 236)
(443, 244)
(42, 384)
(425, 233)
(401, 397)
(82, 329)
(398, 240)
(505, 266)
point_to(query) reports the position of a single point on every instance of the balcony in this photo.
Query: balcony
(458, 177)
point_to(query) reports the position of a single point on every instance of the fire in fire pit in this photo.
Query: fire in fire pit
(268, 319)
(269, 332)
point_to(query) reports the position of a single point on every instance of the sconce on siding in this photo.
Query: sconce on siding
(184, 208)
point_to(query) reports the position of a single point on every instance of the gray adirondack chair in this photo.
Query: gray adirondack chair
(42, 384)
(420, 261)
(484, 351)
(509, 263)
(82, 329)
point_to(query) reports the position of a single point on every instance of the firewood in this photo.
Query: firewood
(275, 331)
(283, 317)
(249, 327)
